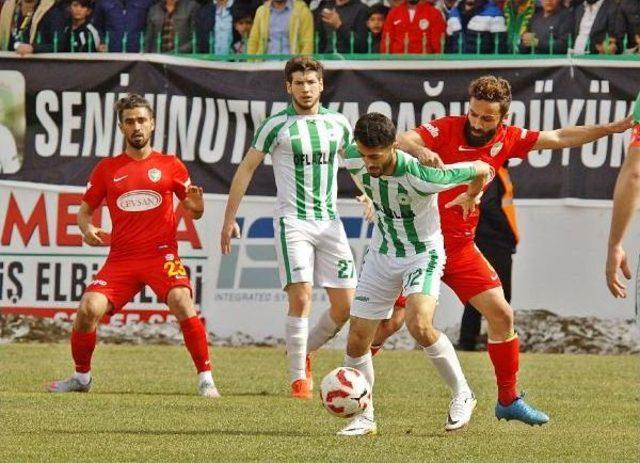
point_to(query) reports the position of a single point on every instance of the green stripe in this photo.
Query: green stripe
(333, 148)
(428, 272)
(285, 254)
(316, 162)
(296, 146)
(366, 183)
(384, 198)
(271, 137)
(408, 217)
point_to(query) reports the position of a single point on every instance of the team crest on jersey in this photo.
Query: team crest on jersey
(423, 24)
(154, 174)
(496, 148)
(403, 199)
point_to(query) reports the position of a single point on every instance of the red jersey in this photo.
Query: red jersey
(139, 197)
(423, 34)
(446, 137)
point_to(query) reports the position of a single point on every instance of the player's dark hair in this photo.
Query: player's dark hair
(131, 101)
(492, 89)
(375, 130)
(302, 64)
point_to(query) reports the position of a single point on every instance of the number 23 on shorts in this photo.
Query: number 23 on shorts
(175, 268)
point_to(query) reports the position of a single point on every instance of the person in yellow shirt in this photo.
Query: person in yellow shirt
(282, 27)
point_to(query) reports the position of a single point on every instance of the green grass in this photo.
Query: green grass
(143, 407)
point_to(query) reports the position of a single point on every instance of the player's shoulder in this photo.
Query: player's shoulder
(337, 116)
(110, 163)
(351, 152)
(514, 133)
(449, 124)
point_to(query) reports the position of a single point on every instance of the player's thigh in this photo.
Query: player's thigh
(163, 273)
(334, 263)
(492, 304)
(468, 273)
(117, 281)
(422, 273)
(378, 287)
(180, 302)
(295, 251)
(361, 333)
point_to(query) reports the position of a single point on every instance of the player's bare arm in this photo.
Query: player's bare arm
(368, 212)
(471, 198)
(91, 234)
(239, 185)
(568, 137)
(410, 142)
(626, 199)
(194, 201)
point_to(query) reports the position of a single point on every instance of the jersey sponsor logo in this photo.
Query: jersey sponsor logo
(433, 130)
(119, 179)
(496, 148)
(139, 200)
(154, 174)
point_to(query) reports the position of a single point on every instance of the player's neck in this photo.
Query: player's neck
(138, 154)
(307, 112)
(391, 168)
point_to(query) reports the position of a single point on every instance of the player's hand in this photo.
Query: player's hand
(617, 259)
(369, 212)
(429, 158)
(466, 201)
(93, 235)
(621, 125)
(195, 196)
(229, 231)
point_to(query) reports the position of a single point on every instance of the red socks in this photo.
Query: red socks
(82, 346)
(505, 358)
(195, 338)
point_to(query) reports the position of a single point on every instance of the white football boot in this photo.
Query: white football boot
(359, 426)
(460, 410)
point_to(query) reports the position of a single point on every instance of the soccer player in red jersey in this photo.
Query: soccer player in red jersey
(482, 135)
(138, 186)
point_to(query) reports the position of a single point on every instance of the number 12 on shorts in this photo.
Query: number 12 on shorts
(346, 269)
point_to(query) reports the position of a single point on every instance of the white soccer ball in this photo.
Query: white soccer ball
(345, 392)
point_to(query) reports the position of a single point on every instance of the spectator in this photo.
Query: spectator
(476, 26)
(517, 15)
(594, 18)
(170, 26)
(549, 29)
(341, 26)
(636, 49)
(413, 27)
(628, 20)
(282, 26)
(80, 35)
(242, 22)
(121, 23)
(30, 26)
(445, 7)
(214, 26)
(497, 238)
(375, 21)
(606, 44)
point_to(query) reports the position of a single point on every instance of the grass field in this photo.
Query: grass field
(143, 407)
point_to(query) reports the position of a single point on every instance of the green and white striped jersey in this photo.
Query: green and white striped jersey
(304, 149)
(408, 221)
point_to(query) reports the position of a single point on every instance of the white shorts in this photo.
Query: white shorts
(383, 278)
(314, 251)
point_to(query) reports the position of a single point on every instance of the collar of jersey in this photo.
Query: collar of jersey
(291, 111)
(400, 164)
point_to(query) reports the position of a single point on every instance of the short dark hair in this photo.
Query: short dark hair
(377, 8)
(302, 64)
(492, 89)
(131, 101)
(83, 3)
(375, 130)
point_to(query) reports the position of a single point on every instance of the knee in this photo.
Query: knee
(340, 313)
(180, 303)
(502, 317)
(92, 308)
(299, 299)
(422, 331)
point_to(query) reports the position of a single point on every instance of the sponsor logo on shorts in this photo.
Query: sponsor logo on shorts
(297, 269)
(139, 200)
(154, 174)
(169, 257)
(362, 298)
(98, 283)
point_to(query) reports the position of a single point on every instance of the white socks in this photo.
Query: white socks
(365, 366)
(444, 358)
(297, 331)
(325, 329)
(84, 378)
(205, 377)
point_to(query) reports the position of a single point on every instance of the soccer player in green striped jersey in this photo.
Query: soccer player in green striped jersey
(406, 254)
(304, 142)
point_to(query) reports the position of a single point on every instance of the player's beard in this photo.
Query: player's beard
(477, 137)
(306, 105)
(379, 170)
(138, 142)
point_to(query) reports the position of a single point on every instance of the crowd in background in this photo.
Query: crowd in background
(283, 27)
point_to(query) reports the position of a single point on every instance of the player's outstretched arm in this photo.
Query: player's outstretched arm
(411, 142)
(626, 199)
(471, 198)
(91, 234)
(194, 201)
(568, 137)
(239, 185)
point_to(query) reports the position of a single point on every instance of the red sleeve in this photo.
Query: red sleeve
(181, 180)
(523, 141)
(436, 30)
(431, 134)
(97, 187)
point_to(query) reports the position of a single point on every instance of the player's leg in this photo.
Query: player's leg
(296, 332)
(389, 327)
(180, 302)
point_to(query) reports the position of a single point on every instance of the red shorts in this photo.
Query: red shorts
(467, 272)
(120, 279)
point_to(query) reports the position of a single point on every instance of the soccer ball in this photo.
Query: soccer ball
(345, 392)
